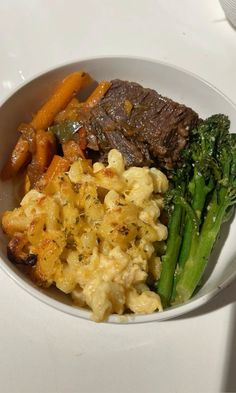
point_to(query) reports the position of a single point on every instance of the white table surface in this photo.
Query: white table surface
(44, 350)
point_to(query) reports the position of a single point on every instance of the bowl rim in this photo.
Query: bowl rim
(78, 312)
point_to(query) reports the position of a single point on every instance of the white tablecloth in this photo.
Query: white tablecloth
(44, 350)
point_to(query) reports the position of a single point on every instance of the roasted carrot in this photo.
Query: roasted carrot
(74, 103)
(91, 101)
(98, 93)
(72, 151)
(58, 165)
(19, 156)
(60, 99)
(82, 138)
(26, 184)
(42, 120)
(45, 148)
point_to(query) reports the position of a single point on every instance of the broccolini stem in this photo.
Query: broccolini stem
(180, 200)
(201, 191)
(170, 258)
(199, 197)
(200, 251)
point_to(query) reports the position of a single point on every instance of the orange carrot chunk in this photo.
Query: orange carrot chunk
(82, 138)
(59, 99)
(74, 103)
(58, 165)
(45, 148)
(72, 151)
(19, 156)
(98, 93)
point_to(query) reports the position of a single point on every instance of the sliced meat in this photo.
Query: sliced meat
(132, 155)
(110, 134)
(141, 123)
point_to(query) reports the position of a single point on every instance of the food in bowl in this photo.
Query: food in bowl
(91, 221)
(93, 231)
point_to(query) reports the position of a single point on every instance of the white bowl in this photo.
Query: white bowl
(168, 80)
(229, 7)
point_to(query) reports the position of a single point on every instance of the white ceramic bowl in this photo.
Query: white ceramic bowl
(229, 7)
(175, 83)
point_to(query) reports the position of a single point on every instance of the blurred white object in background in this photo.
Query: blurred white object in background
(229, 7)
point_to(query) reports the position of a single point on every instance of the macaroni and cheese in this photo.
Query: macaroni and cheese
(94, 230)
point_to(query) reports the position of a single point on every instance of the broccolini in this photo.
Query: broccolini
(202, 197)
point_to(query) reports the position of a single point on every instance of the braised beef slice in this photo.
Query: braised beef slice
(143, 125)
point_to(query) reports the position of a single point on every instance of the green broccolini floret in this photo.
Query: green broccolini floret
(203, 200)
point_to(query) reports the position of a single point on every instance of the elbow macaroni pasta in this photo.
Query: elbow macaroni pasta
(93, 230)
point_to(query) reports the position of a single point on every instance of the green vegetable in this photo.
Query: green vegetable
(65, 131)
(205, 203)
(160, 248)
(170, 258)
